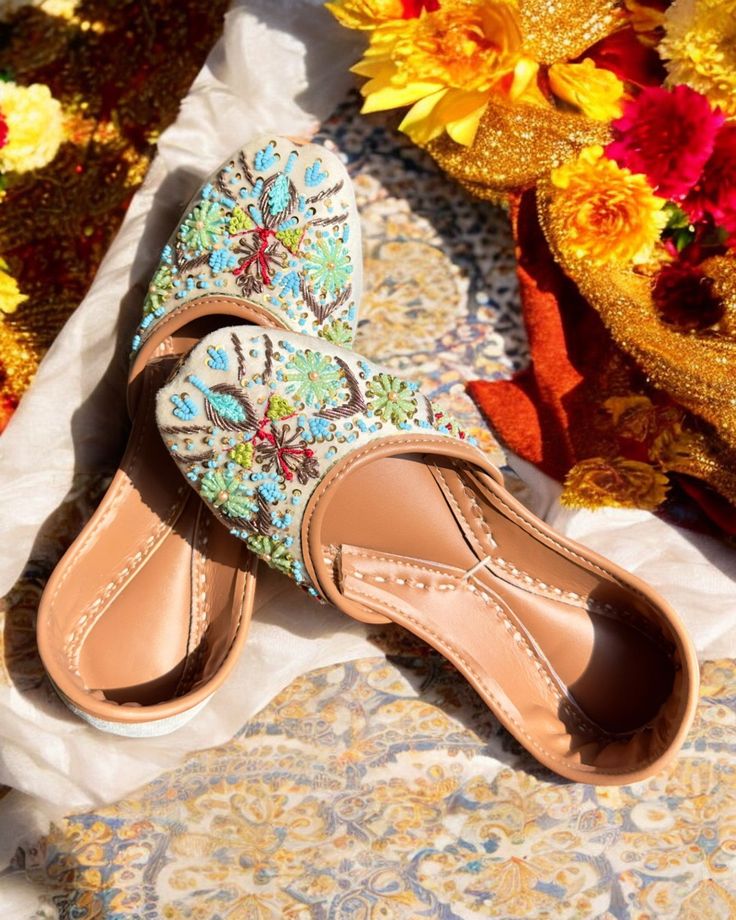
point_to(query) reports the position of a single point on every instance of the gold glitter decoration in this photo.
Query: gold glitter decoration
(515, 146)
(20, 356)
(695, 369)
(702, 456)
(584, 22)
(720, 269)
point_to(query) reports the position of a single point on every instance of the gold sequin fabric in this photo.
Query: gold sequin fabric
(515, 146)
(694, 368)
(119, 70)
(561, 30)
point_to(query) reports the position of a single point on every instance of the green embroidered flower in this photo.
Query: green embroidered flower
(158, 290)
(227, 493)
(279, 408)
(338, 332)
(239, 221)
(328, 265)
(204, 227)
(313, 377)
(243, 454)
(272, 552)
(391, 398)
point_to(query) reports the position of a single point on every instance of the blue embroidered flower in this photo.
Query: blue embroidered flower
(270, 491)
(328, 265)
(226, 492)
(314, 174)
(281, 521)
(313, 377)
(204, 227)
(320, 427)
(290, 285)
(265, 158)
(221, 259)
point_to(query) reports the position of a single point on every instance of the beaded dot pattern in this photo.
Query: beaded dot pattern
(276, 226)
(255, 420)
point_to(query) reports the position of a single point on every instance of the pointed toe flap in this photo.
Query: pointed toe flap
(276, 228)
(255, 420)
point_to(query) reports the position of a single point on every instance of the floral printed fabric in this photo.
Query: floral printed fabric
(373, 790)
(254, 420)
(276, 226)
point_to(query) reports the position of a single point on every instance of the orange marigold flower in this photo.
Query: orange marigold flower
(446, 64)
(618, 483)
(604, 213)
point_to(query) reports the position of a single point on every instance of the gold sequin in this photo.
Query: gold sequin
(515, 146)
(560, 30)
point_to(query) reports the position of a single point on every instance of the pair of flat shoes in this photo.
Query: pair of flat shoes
(298, 452)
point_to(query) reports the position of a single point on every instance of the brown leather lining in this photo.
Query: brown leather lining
(626, 693)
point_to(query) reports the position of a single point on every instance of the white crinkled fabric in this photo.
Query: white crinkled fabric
(281, 66)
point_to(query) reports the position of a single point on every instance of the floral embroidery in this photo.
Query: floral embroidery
(203, 228)
(239, 221)
(338, 332)
(227, 493)
(392, 398)
(242, 454)
(313, 378)
(290, 456)
(261, 231)
(221, 259)
(158, 289)
(260, 480)
(273, 552)
(278, 407)
(329, 265)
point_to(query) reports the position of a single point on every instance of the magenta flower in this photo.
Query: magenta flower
(668, 135)
(715, 192)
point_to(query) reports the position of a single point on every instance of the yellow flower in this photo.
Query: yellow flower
(365, 14)
(604, 213)
(596, 92)
(35, 128)
(446, 65)
(617, 483)
(699, 48)
(10, 295)
(646, 20)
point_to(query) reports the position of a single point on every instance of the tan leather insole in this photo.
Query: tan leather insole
(149, 599)
(430, 547)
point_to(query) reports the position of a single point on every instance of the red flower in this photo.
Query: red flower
(684, 296)
(413, 8)
(668, 136)
(632, 62)
(715, 193)
(3, 131)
